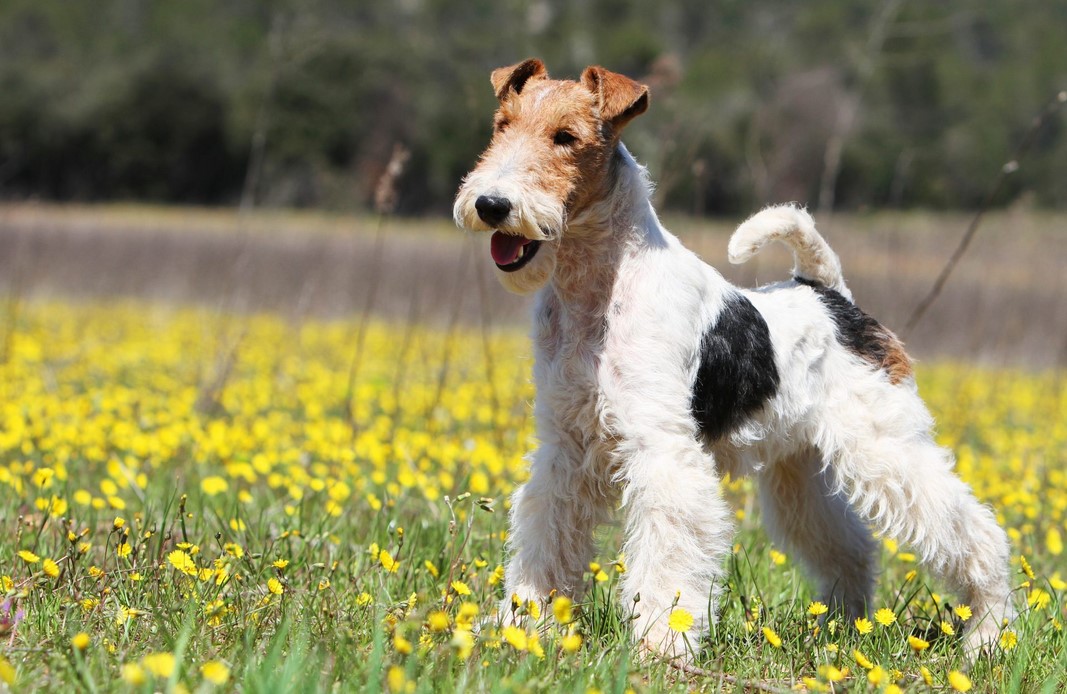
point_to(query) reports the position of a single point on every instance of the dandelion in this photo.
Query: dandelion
(571, 642)
(280, 564)
(402, 645)
(817, 608)
(1008, 640)
(680, 620)
(388, 563)
(947, 629)
(133, 674)
(862, 660)
(917, 644)
(214, 485)
(460, 587)
(159, 664)
(50, 568)
(275, 586)
(885, 616)
(963, 612)
(123, 549)
(515, 637)
(216, 672)
(864, 625)
(1025, 566)
(463, 643)
(182, 562)
(28, 556)
(80, 641)
(561, 610)
(959, 681)
(772, 637)
(928, 677)
(437, 621)
(1053, 542)
(876, 675)
(1038, 599)
(832, 673)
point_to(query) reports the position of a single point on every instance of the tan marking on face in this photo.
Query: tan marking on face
(552, 132)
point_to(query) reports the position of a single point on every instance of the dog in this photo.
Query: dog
(655, 376)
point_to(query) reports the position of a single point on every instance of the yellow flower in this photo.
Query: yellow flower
(772, 638)
(133, 674)
(571, 642)
(917, 644)
(159, 664)
(959, 681)
(465, 615)
(1025, 565)
(396, 679)
(461, 588)
(388, 563)
(680, 620)
(862, 660)
(182, 562)
(963, 612)
(275, 586)
(864, 625)
(7, 671)
(885, 616)
(463, 642)
(50, 568)
(123, 549)
(877, 675)
(1053, 542)
(28, 556)
(280, 564)
(1008, 640)
(118, 523)
(215, 671)
(832, 673)
(214, 485)
(947, 628)
(816, 608)
(561, 609)
(437, 621)
(80, 641)
(515, 637)
(431, 568)
(777, 558)
(1038, 599)
(402, 645)
(928, 677)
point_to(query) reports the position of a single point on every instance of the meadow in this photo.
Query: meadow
(197, 499)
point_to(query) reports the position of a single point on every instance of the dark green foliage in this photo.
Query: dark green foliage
(164, 101)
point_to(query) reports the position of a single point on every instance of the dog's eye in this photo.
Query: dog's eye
(563, 137)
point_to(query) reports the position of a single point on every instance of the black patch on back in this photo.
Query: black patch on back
(856, 331)
(736, 374)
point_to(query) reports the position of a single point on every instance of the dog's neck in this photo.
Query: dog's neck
(599, 237)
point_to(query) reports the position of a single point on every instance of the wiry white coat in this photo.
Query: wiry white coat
(838, 449)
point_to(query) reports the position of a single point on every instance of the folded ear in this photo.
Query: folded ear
(620, 98)
(516, 76)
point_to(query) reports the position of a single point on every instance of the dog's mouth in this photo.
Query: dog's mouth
(511, 252)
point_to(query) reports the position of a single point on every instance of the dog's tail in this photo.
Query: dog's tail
(793, 226)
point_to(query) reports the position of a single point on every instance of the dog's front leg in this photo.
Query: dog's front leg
(553, 517)
(678, 535)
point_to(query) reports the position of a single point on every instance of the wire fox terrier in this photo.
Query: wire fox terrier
(655, 376)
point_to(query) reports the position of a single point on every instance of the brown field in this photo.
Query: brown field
(1006, 303)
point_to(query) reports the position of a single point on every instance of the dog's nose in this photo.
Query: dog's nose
(492, 209)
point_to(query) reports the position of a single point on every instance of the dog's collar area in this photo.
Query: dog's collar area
(511, 252)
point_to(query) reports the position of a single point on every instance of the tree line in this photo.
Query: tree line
(864, 104)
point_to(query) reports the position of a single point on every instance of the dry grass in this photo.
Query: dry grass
(1004, 305)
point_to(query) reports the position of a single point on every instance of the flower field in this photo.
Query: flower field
(193, 501)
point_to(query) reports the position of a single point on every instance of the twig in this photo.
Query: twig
(1054, 105)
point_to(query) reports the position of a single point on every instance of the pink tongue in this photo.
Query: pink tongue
(505, 247)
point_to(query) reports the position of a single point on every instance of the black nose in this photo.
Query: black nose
(493, 210)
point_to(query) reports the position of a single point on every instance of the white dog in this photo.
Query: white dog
(655, 375)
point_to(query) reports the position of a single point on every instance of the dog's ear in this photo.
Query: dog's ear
(620, 98)
(515, 77)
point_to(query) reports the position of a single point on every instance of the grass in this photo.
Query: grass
(195, 500)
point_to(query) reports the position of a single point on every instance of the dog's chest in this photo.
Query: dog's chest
(570, 360)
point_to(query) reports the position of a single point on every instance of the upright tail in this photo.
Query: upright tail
(793, 226)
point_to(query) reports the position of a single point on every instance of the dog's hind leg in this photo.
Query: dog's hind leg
(903, 484)
(804, 515)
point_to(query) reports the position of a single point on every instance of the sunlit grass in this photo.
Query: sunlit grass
(192, 501)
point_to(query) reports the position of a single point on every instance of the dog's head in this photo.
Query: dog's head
(548, 160)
